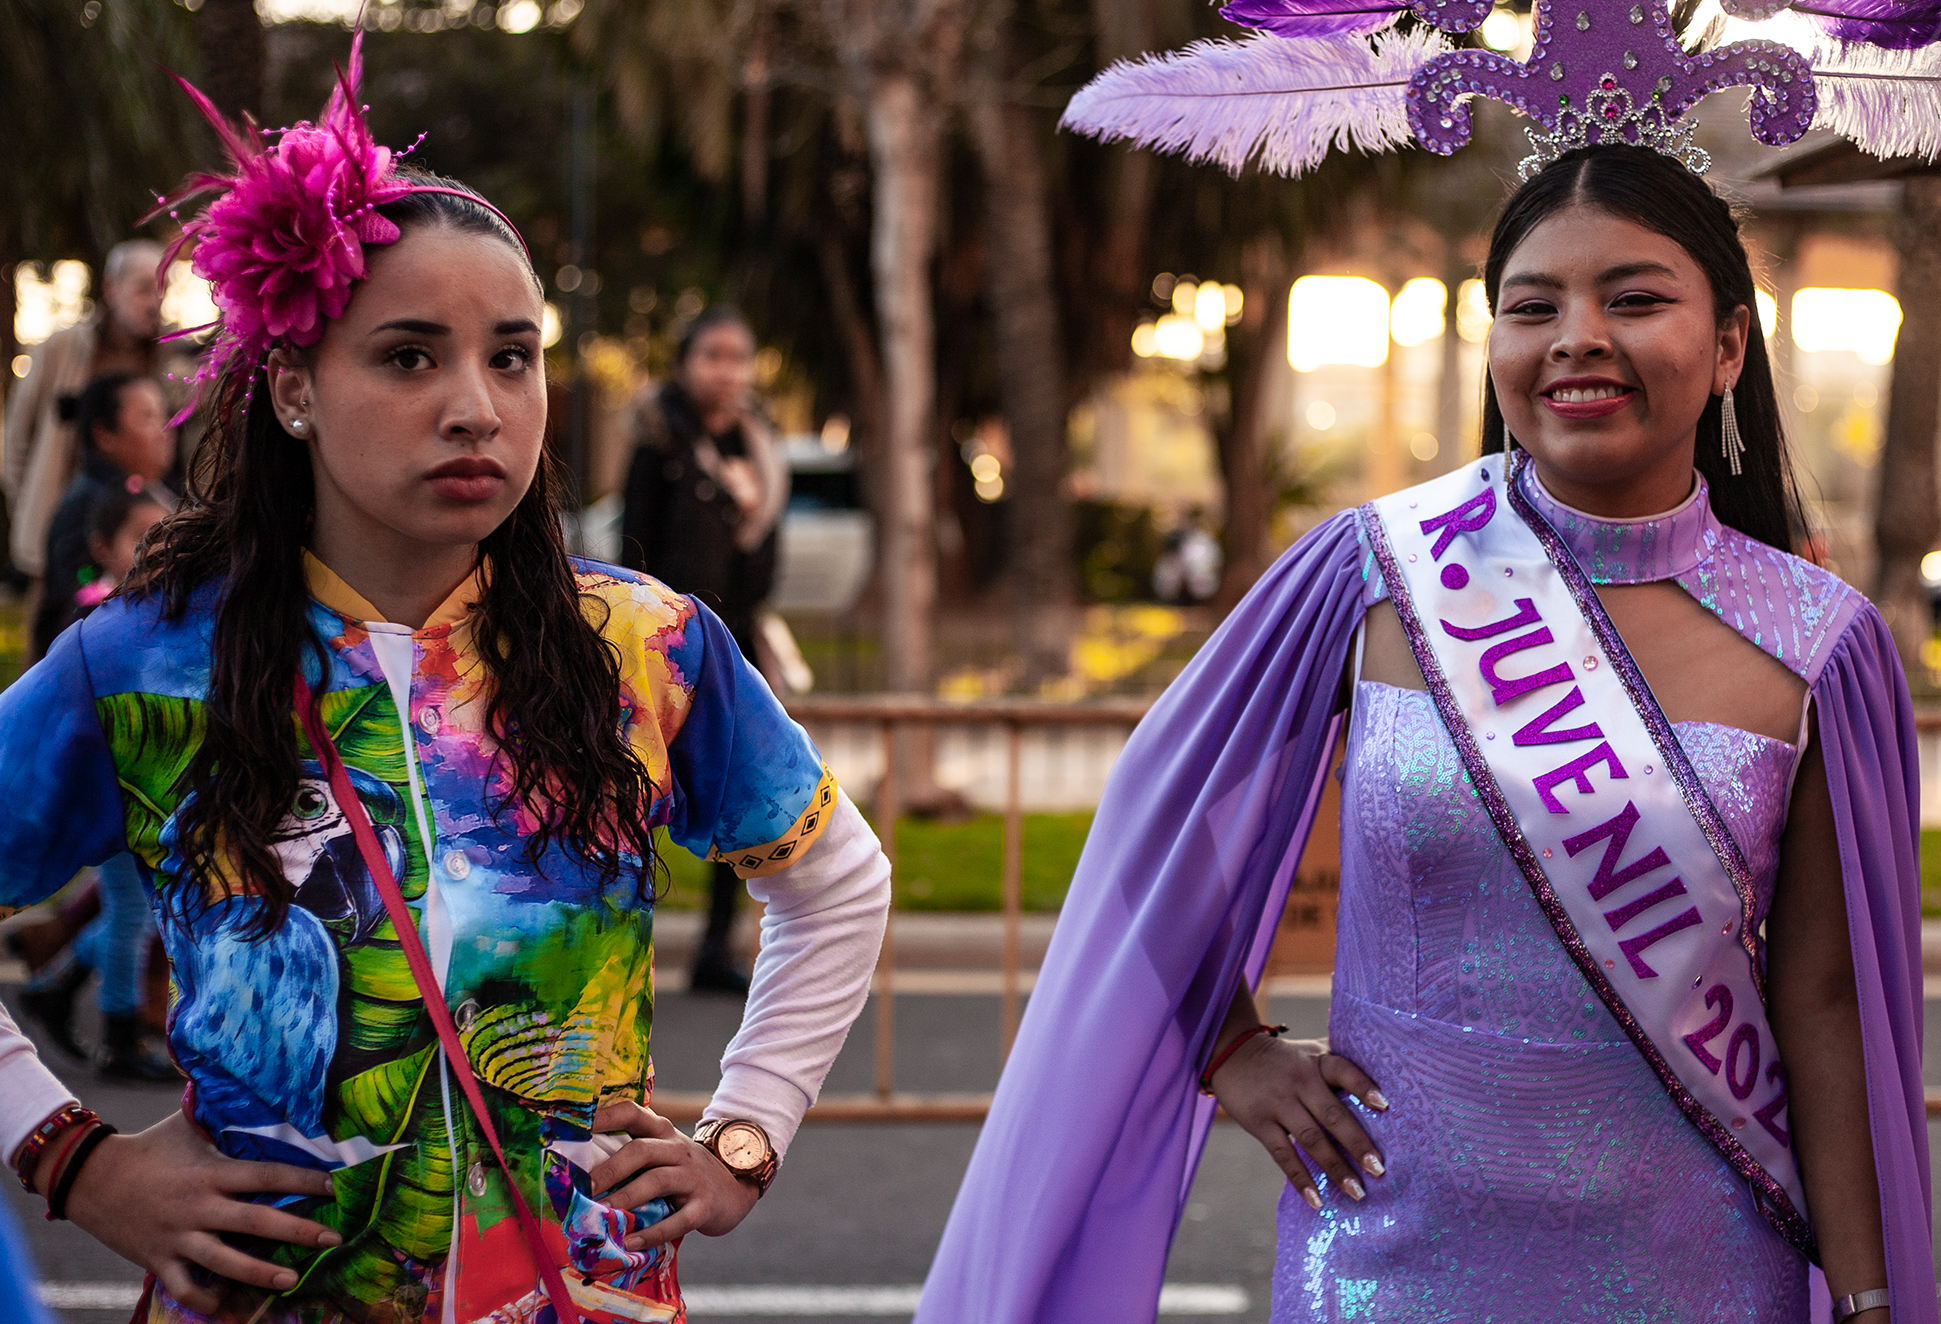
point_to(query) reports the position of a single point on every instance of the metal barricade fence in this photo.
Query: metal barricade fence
(891, 714)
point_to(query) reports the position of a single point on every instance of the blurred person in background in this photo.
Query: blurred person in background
(117, 522)
(116, 942)
(704, 500)
(117, 337)
(1189, 568)
(126, 443)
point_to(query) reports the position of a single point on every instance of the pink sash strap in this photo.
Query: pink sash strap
(441, 1016)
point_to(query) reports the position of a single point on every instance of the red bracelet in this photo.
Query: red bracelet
(58, 1122)
(1220, 1058)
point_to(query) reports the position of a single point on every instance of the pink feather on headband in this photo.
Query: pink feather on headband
(282, 244)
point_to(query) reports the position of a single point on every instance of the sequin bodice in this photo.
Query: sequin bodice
(1536, 1170)
(1420, 856)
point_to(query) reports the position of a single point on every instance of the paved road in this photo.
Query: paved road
(858, 1204)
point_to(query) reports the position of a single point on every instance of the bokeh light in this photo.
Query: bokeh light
(1176, 337)
(1416, 316)
(1501, 30)
(42, 307)
(520, 16)
(1473, 314)
(186, 299)
(1863, 322)
(1210, 307)
(1336, 319)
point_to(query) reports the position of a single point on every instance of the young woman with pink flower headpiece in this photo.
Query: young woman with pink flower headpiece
(391, 762)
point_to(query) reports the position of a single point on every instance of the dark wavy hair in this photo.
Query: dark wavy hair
(554, 705)
(714, 315)
(98, 404)
(1661, 195)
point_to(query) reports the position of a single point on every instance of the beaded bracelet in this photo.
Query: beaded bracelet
(28, 1155)
(1220, 1058)
(71, 1164)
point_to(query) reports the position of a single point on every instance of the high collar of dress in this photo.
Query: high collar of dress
(329, 588)
(1631, 551)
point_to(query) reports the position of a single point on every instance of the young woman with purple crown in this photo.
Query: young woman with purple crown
(391, 763)
(1626, 1014)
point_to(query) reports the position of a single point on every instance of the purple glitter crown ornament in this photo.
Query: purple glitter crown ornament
(1320, 75)
(1612, 75)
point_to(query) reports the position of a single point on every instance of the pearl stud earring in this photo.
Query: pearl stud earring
(299, 426)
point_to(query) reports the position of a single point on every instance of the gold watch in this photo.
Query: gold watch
(743, 1148)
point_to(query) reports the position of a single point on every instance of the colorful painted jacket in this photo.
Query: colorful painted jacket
(312, 1046)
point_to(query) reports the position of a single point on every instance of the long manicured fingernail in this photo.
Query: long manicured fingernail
(1372, 1163)
(1353, 1187)
(1313, 1197)
(285, 1281)
(1375, 1100)
(329, 1239)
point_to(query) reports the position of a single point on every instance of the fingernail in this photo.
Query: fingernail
(1353, 1187)
(1313, 1197)
(1375, 1100)
(329, 1239)
(1373, 1164)
(285, 1281)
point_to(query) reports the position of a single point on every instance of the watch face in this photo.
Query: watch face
(741, 1148)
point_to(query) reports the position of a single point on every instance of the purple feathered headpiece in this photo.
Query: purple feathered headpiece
(1316, 75)
(284, 240)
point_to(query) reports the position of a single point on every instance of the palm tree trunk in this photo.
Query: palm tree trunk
(1032, 380)
(1907, 518)
(757, 99)
(905, 143)
(1242, 442)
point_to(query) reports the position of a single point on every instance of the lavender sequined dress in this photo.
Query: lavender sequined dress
(1537, 1172)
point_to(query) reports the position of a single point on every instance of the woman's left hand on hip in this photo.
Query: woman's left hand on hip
(662, 1163)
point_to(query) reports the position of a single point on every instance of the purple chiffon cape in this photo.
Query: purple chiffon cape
(1069, 1206)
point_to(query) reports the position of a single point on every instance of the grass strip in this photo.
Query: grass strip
(943, 866)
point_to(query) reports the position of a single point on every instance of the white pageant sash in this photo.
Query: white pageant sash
(1586, 782)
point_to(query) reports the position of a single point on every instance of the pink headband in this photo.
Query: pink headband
(282, 244)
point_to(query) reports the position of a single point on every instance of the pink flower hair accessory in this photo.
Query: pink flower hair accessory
(283, 242)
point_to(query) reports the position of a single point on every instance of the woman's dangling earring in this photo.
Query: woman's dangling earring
(1731, 444)
(1509, 442)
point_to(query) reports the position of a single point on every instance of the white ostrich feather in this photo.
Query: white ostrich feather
(1277, 102)
(1888, 102)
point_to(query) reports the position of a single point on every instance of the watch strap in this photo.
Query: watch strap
(1854, 1303)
